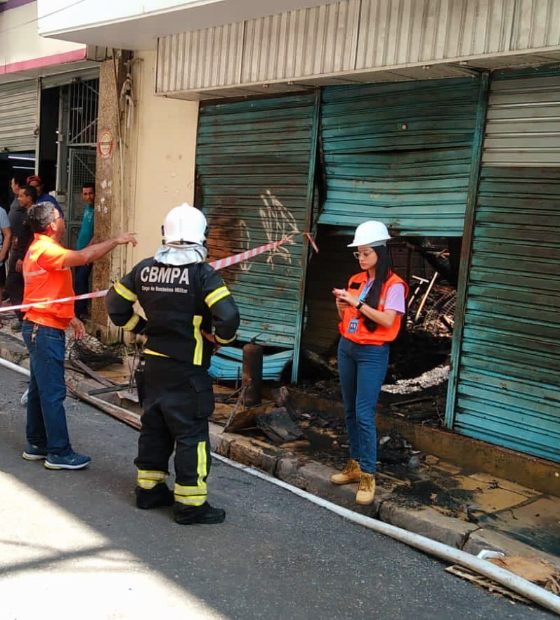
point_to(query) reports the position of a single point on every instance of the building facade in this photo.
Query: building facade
(49, 92)
(438, 118)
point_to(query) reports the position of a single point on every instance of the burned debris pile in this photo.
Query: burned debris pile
(94, 353)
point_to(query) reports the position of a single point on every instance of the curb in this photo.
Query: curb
(314, 477)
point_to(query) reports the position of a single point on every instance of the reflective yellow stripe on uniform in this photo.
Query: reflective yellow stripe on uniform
(202, 467)
(150, 352)
(147, 479)
(29, 274)
(222, 341)
(132, 322)
(216, 295)
(40, 272)
(195, 496)
(198, 348)
(125, 292)
(190, 501)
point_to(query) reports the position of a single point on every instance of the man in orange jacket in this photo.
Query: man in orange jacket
(47, 276)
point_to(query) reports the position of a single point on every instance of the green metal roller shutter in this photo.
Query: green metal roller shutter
(400, 153)
(508, 384)
(505, 384)
(18, 116)
(523, 127)
(255, 172)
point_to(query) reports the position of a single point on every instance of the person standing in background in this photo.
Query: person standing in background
(19, 179)
(83, 273)
(5, 242)
(42, 196)
(21, 240)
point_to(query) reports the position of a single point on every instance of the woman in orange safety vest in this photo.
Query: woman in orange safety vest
(370, 311)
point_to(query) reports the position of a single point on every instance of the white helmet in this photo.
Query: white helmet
(184, 224)
(370, 233)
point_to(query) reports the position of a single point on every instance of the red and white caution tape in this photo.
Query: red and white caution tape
(239, 258)
(56, 301)
(222, 263)
(311, 241)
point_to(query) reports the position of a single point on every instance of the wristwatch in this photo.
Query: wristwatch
(359, 306)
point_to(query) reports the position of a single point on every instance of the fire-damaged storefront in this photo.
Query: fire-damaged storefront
(416, 156)
(403, 154)
(255, 173)
(323, 162)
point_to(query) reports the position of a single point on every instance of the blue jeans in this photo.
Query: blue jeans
(362, 369)
(81, 286)
(46, 418)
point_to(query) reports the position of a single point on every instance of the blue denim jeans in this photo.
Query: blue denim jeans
(46, 418)
(81, 286)
(362, 369)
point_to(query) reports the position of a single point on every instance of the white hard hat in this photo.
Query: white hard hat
(184, 224)
(370, 233)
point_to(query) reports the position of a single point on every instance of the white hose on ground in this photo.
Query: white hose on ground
(14, 367)
(427, 545)
(445, 552)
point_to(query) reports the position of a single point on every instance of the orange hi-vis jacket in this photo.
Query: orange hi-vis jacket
(362, 335)
(46, 279)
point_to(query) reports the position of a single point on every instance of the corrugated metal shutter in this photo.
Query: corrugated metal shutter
(508, 384)
(254, 173)
(523, 127)
(67, 77)
(352, 41)
(400, 153)
(18, 116)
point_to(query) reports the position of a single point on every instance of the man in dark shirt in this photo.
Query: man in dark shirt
(5, 244)
(19, 179)
(42, 196)
(21, 240)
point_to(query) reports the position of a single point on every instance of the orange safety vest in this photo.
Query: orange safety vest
(41, 285)
(362, 335)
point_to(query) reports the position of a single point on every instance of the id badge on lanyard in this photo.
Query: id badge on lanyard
(353, 325)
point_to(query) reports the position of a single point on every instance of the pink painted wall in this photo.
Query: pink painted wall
(21, 47)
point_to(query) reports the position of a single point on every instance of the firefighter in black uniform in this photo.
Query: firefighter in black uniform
(189, 311)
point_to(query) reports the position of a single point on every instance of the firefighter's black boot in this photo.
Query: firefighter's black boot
(160, 495)
(205, 514)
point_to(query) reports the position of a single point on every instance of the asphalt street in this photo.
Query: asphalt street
(72, 545)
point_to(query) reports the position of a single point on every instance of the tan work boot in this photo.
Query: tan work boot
(366, 490)
(350, 473)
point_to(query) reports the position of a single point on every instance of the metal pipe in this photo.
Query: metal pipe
(252, 373)
(426, 294)
(15, 367)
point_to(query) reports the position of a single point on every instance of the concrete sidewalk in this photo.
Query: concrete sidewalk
(510, 518)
